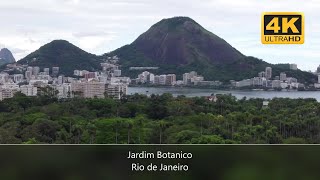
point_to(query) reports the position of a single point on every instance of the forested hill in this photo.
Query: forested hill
(179, 45)
(63, 54)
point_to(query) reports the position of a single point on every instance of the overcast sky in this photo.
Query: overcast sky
(100, 26)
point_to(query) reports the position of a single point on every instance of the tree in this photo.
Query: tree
(293, 140)
(8, 138)
(140, 122)
(208, 139)
(162, 126)
(157, 108)
(183, 137)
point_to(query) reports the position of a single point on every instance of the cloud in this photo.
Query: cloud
(92, 34)
(18, 51)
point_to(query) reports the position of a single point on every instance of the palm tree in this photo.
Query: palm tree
(162, 126)
(140, 123)
(117, 124)
(129, 125)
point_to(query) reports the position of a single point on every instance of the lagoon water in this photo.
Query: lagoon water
(193, 92)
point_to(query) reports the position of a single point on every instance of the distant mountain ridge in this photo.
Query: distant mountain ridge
(176, 45)
(6, 57)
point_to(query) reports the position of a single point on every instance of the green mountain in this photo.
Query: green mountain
(176, 45)
(179, 45)
(64, 55)
(181, 41)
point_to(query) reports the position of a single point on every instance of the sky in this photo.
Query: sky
(101, 26)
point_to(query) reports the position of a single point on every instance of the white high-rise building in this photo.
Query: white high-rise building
(276, 84)
(171, 79)
(143, 77)
(44, 77)
(162, 79)
(186, 78)
(294, 67)
(18, 78)
(95, 89)
(192, 78)
(262, 74)
(151, 78)
(292, 80)
(284, 85)
(90, 89)
(10, 86)
(8, 90)
(193, 74)
(117, 73)
(116, 91)
(30, 68)
(283, 76)
(46, 71)
(29, 90)
(244, 83)
(78, 87)
(156, 79)
(55, 71)
(257, 81)
(197, 79)
(60, 80)
(268, 72)
(28, 75)
(7, 93)
(35, 71)
(64, 90)
(4, 77)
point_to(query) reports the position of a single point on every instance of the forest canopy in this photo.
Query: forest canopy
(158, 119)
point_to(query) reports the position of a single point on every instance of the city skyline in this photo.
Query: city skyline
(101, 27)
(31, 81)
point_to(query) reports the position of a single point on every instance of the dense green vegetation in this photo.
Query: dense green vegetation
(247, 67)
(157, 119)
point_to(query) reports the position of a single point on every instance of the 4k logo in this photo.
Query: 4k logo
(282, 28)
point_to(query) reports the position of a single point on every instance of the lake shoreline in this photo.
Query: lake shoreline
(224, 88)
(201, 92)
